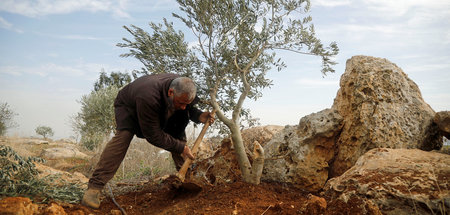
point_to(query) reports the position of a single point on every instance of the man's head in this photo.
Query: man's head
(182, 92)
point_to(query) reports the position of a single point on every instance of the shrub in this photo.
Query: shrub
(19, 177)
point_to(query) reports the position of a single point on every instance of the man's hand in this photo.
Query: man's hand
(205, 116)
(187, 153)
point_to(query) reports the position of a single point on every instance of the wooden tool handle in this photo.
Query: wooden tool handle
(182, 173)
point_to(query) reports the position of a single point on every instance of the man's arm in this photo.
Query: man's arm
(197, 115)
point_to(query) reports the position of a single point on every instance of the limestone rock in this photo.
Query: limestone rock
(315, 205)
(33, 141)
(54, 209)
(18, 206)
(442, 119)
(222, 166)
(397, 181)
(381, 107)
(115, 212)
(301, 154)
(63, 152)
(75, 177)
(205, 149)
(262, 134)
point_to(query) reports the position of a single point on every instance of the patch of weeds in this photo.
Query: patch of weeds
(19, 177)
(445, 149)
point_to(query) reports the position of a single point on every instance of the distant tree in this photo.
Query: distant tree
(6, 118)
(44, 131)
(95, 121)
(236, 46)
(117, 79)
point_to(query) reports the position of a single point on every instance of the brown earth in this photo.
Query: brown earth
(233, 198)
(148, 196)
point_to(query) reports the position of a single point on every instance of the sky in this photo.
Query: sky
(52, 52)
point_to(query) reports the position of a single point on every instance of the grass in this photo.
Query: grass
(144, 160)
(445, 149)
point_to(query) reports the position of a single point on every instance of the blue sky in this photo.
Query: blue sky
(53, 50)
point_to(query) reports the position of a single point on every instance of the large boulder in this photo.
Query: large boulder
(76, 177)
(300, 154)
(381, 107)
(63, 152)
(396, 181)
(442, 119)
(18, 206)
(262, 134)
(376, 106)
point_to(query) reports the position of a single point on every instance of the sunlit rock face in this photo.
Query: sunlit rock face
(381, 107)
(442, 119)
(396, 181)
(377, 106)
(301, 154)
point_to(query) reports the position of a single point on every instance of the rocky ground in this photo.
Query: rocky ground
(158, 196)
(161, 198)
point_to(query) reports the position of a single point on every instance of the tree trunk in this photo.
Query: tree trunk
(250, 173)
(241, 156)
(258, 163)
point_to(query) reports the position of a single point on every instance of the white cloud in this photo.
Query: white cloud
(79, 37)
(5, 24)
(87, 71)
(71, 36)
(401, 7)
(193, 44)
(382, 29)
(33, 8)
(447, 38)
(152, 6)
(11, 70)
(327, 3)
(9, 26)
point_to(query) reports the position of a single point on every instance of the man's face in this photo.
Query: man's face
(179, 102)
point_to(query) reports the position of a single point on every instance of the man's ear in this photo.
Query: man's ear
(170, 92)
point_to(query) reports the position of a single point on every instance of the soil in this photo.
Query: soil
(232, 198)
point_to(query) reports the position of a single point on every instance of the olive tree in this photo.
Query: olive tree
(96, 120)
(117, 79)
(6, 118)
(44, 131)
(236, 42)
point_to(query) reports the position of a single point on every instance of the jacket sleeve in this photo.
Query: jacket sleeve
(194, 114)
(149, 121)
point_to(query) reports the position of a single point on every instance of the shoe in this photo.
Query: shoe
(91, 198)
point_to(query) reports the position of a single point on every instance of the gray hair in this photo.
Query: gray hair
(182, 85)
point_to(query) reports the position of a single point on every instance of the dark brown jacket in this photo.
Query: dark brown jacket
(141, 107)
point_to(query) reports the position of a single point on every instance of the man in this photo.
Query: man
(157, 108)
